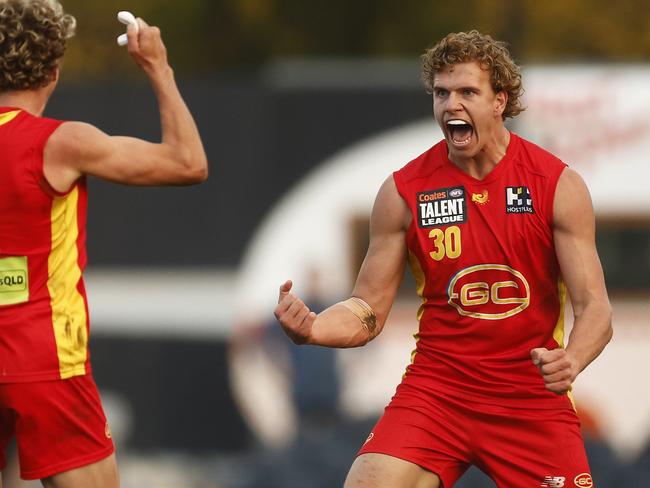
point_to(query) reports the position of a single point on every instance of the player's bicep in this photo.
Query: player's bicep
(383, 267)
(77, 148)
(127, 160)
(574, 236)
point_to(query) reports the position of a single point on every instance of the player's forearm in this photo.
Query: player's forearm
(592, 330)
(339, 327)
(179, 131)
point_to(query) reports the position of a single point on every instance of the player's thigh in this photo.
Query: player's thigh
(102, 474)
(373, 470)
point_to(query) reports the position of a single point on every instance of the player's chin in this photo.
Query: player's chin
(463, 150)
(461, 147)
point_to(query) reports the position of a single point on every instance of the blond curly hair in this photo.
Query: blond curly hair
(462, 47)
(33, 37)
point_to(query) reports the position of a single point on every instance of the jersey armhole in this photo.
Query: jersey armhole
(400, 185)
(38, 158)
(550, 210)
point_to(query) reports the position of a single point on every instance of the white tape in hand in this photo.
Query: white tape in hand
(127, 18)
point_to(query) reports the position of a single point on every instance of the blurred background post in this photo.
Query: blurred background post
(305, 107)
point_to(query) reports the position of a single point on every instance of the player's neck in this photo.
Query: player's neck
(481, 164)
(32, 101)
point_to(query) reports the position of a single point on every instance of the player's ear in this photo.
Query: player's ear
(54, 79)
(500, 102)
(56, 72)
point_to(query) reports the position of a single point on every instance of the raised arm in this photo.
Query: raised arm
(574, 236)
(379, 278)
(77, 148)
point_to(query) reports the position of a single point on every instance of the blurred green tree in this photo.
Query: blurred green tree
(225, 36)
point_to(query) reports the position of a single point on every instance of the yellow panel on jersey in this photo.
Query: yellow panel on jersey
(420, 282)
(69, 316)
(558, 332)
(8, 117)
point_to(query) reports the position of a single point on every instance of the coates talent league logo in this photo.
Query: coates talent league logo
(441, 207)
(489, 292)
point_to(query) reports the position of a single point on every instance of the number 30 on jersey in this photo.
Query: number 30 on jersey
(446, 243)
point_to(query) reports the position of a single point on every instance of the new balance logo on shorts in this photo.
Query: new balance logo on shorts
(553, 482)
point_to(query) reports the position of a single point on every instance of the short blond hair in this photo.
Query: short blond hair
(462, 47)
(33, 38)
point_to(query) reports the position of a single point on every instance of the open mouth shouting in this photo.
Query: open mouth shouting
(460, 132)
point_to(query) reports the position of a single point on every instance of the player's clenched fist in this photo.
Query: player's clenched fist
(558, 368)
(294, 316)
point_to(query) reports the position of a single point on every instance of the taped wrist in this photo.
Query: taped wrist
(364, 313)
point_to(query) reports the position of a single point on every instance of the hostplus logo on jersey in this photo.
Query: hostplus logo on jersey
(441, 207)
(553, 482)
(518, 200)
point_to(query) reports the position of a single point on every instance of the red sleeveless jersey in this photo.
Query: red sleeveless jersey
(43, 307)
(483, 258)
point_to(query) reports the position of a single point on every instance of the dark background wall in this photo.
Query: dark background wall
(260, 140)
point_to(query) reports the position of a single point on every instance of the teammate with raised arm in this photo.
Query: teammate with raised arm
(495, 230)
(48, 398)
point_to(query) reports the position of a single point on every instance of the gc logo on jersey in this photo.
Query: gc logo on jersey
(583, 480)
(489, 292)
(518, 200)
(441, 207)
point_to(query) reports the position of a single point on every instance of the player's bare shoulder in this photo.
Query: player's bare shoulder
(390, 210)
(572, 202)
(75, 141)
(69, 146)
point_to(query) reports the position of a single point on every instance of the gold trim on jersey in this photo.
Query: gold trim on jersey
(420, 283)
(8, 116)
(558, 331)
(69, 318)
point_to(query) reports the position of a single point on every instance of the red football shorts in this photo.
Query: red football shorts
(59, 425)
(517, 449)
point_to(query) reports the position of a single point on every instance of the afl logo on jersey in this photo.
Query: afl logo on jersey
(489, 292)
